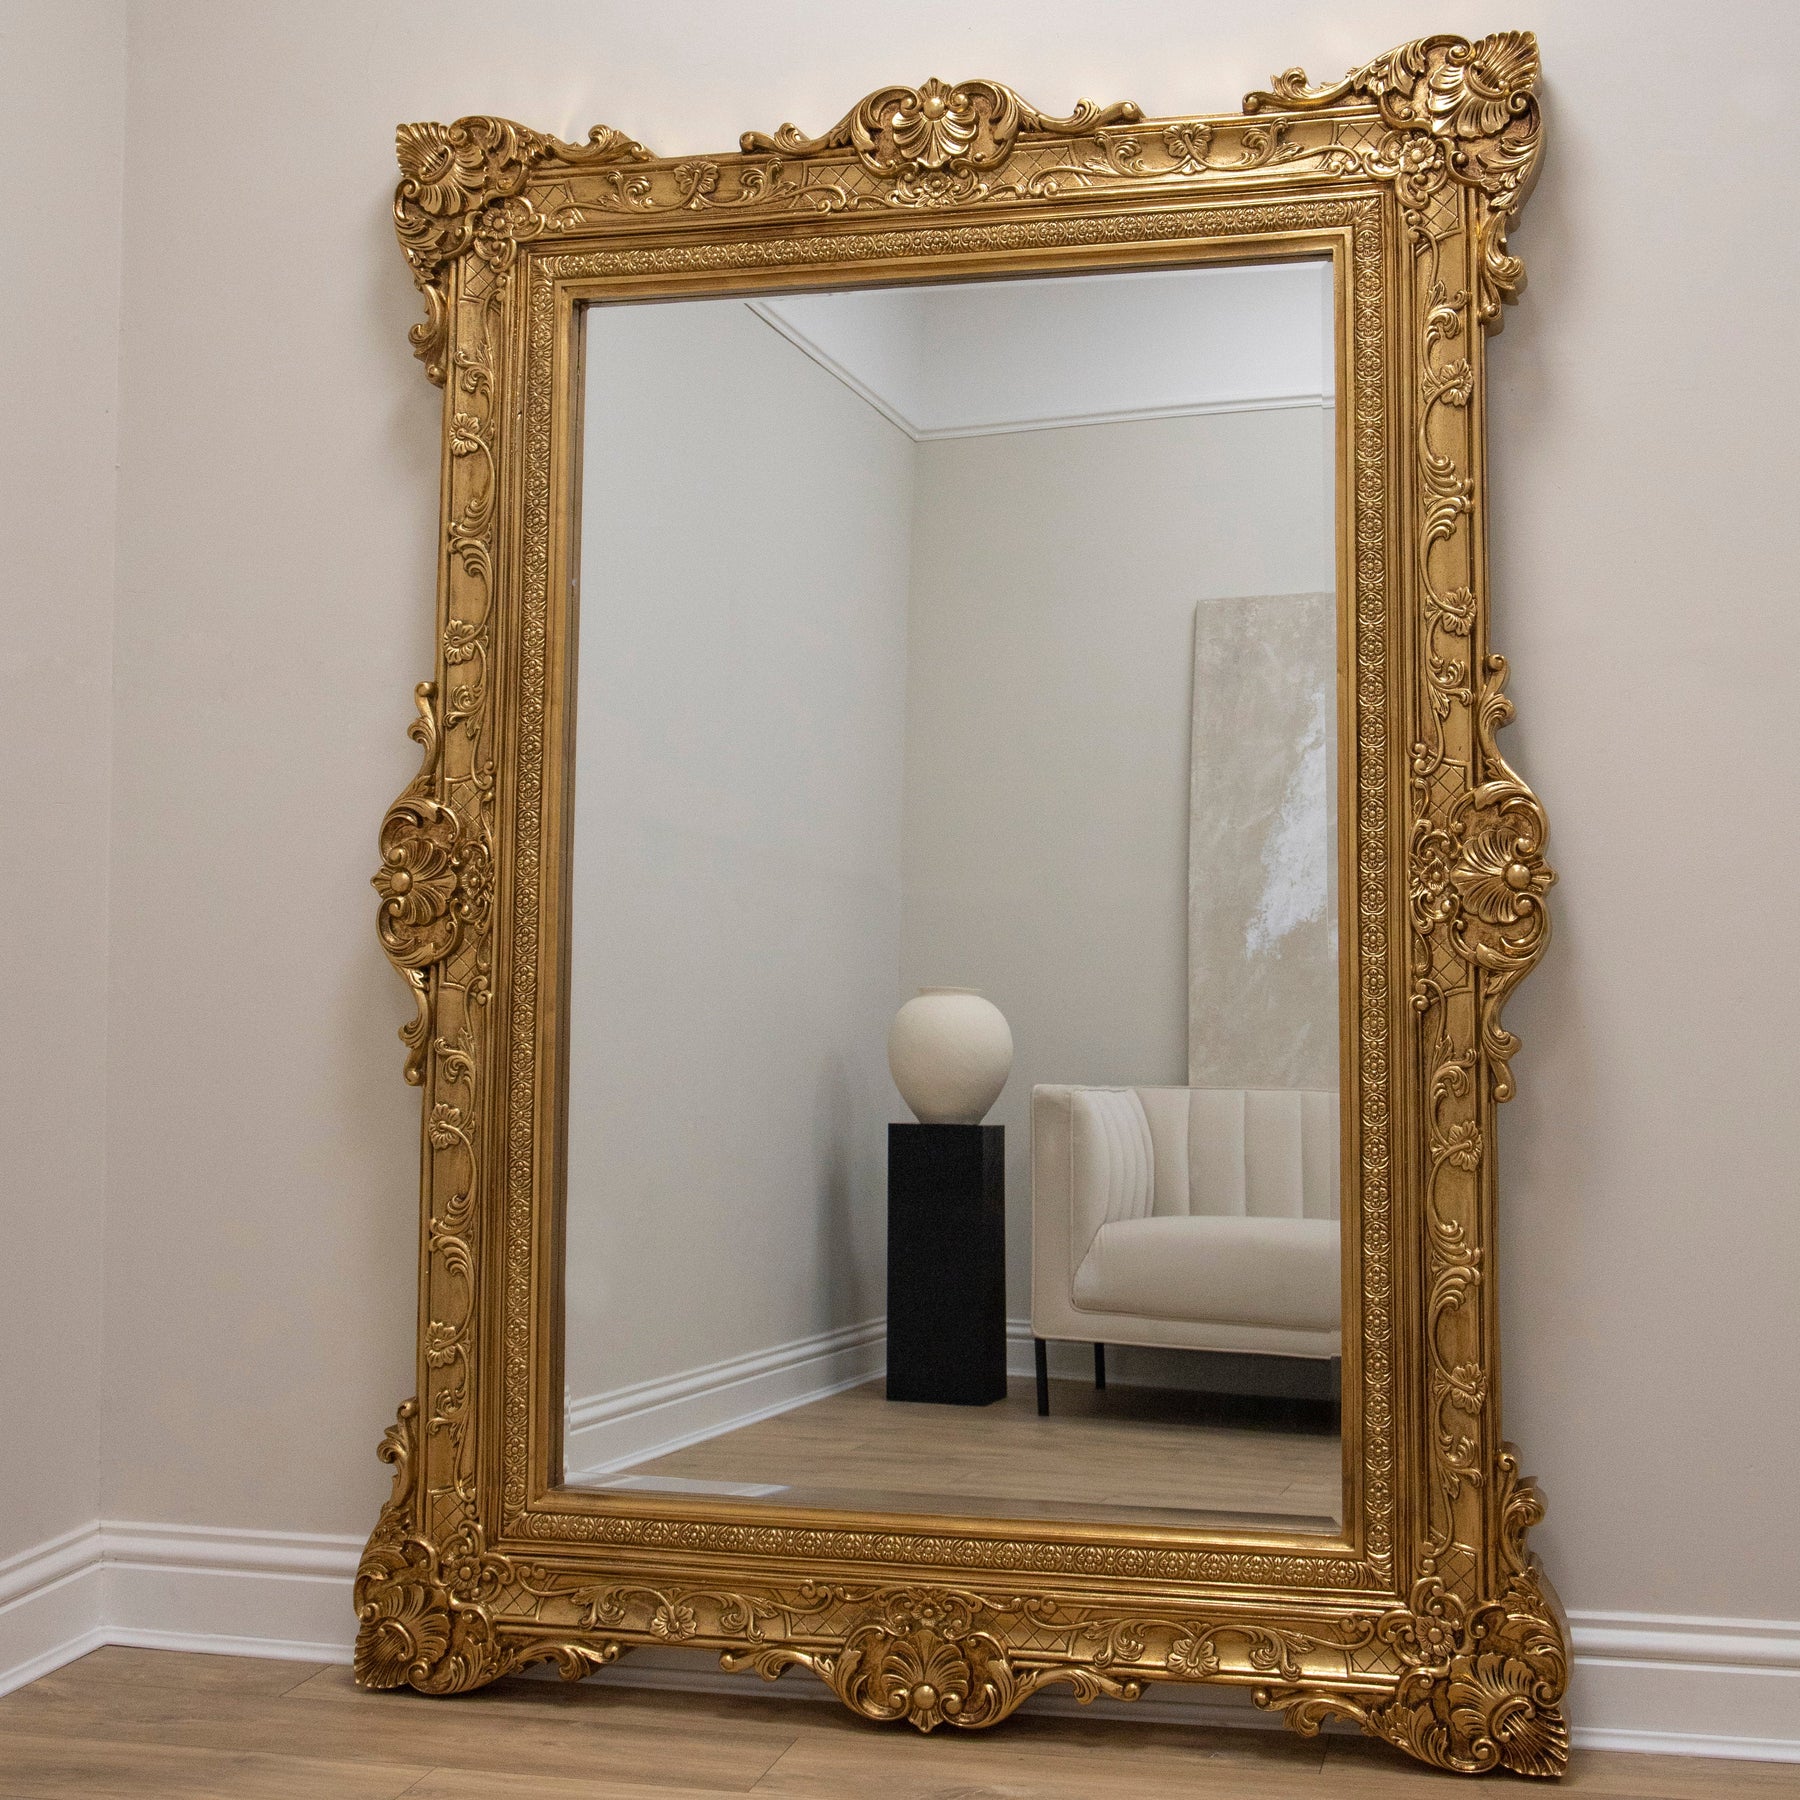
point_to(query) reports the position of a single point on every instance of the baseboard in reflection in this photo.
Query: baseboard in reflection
(629, 1425)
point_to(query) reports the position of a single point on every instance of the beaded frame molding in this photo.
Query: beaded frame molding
(1426, 1621)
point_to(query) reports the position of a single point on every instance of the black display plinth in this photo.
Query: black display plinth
(946, 1315)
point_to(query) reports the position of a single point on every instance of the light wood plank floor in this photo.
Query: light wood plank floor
(158, 1725)
(1139, 1455)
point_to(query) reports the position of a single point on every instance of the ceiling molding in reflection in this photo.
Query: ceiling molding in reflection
(926, 434)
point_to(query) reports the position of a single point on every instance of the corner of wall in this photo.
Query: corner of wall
(58, 466)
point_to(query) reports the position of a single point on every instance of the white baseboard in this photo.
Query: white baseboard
(249, 1593)
(629, 1425)
(1689, 1686)
(176, 1587)
(50, 1606)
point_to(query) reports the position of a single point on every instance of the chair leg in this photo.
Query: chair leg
(1042, 1352)
(1100, 1367)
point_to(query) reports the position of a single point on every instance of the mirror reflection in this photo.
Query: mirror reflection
(953, 1082)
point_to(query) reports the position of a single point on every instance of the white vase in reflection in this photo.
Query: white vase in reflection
(950, 1051)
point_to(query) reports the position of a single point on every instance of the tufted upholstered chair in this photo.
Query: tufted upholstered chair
(1185, 1218)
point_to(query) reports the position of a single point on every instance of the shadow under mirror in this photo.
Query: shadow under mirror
(971, 650)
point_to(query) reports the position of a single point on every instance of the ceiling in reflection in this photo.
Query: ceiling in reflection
(967, 360)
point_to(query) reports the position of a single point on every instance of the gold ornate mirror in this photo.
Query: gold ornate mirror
(1036, 565)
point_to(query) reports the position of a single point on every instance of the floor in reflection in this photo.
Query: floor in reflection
(1128, 1455)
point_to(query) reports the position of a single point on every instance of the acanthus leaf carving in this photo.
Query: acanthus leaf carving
(931, 1657)
(1478, 877)
(1481, 1686)
(434, 880)
(425, 1619)
(459, 188)
(1468, 107)
(937, 139)
(1472, 92)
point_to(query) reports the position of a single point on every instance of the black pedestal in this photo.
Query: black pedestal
(946, 1318)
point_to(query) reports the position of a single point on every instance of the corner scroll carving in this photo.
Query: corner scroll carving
(1481, 1685)
(426, 1621)
(1465, 107)
(937, 140)
(461, 187)
(433, 880)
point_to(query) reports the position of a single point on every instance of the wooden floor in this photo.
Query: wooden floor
(159, 1725)
(1133, 1454)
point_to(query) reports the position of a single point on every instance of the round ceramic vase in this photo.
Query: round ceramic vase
(950, 1052)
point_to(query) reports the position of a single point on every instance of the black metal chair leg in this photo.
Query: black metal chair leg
(1100, 1367)
(1042, 1351)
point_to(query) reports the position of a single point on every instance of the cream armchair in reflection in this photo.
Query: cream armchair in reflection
(1184, 1218)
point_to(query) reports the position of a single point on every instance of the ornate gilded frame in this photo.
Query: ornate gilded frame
(1427, 1621)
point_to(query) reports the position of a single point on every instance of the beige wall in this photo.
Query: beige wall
(61, 67)
(277, 514)
(1049, 690)
(736, 920)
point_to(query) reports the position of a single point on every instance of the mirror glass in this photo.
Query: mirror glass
(971, 649)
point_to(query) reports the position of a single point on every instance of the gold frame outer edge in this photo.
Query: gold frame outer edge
(1430, 1624)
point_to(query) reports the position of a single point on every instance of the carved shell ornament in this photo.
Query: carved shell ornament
(447, 169)
(935, 130)
(1479, 90)
(1475, 102)
(405, 1632)
(1501, 875)
(459, 186)
(931, 1657)
(1452, 87)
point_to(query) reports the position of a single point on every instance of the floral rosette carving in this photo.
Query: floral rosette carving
(434, 881)
(417, 882)
(1478, 874)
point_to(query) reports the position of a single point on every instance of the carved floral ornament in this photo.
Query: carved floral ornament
(434, 880)
(1458, 111)
(1438, 1634)
(939, 131)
